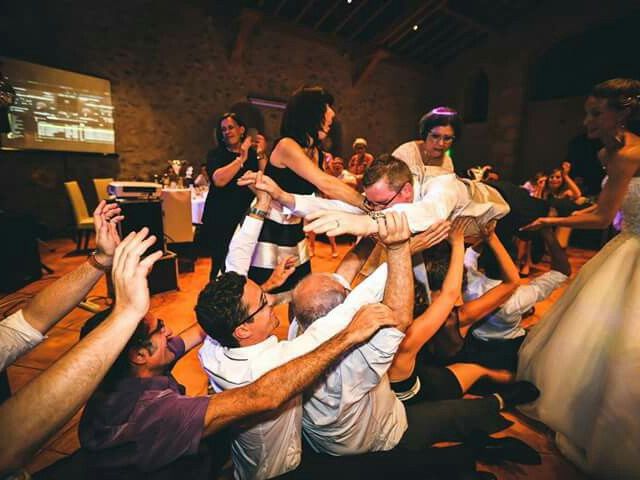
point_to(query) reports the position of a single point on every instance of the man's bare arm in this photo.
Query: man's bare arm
(43, 406)
(58, 299)
(398, 293)
(278, 386)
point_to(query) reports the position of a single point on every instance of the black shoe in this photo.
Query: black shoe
(517, 393)
(511, 449)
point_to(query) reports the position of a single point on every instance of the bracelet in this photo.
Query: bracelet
(258, 213)
(96, 264)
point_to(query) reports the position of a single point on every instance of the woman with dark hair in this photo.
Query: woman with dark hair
(584, 354)
(226, 202)
(429, 156)
(296, 165)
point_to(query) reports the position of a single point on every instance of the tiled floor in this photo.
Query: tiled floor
(176, 308)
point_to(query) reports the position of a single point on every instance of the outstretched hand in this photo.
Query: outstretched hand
(369, 319)
(536, 225)
(130, 272)
(258, 181)
(459, 227)
(335, 223)
(106, 217)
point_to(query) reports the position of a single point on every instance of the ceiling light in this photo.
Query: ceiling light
(415, 27)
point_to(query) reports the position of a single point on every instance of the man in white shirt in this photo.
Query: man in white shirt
(238, 314)
(494, 343)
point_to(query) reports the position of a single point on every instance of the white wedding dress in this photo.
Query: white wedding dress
(584, 356)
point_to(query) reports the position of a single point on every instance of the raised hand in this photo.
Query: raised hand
(393, 229)
(458, 227)
(369, 319)
(244, 150)
(259, 181)
(283, 270)
(433, 235)
(336, 223)
(129, 273)
(106, 217)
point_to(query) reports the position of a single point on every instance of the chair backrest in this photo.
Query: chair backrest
(176, 209)
(77, 200)
(101, 185)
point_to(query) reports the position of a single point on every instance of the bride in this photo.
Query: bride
(584, 355)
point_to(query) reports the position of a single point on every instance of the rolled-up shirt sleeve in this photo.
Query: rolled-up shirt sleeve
(243, 244)
(17, 337)
(442, 196)
(306, 204)
(526, 296)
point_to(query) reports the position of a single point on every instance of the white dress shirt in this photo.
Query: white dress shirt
(504, 323)
(17, 337)
(273, 447)
(353, 410)
(438, 198)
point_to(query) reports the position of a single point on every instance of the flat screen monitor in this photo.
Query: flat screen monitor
(57, 110)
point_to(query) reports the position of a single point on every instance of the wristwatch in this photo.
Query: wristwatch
(96, 264)
(257, 212)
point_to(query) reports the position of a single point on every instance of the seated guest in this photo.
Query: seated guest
(59, 392)
(336, 168)
(141, 418)
(202, 180)
(24, 329)
(429, 156)
(495, 341)
(353, 409)
(238, 315)
(360, 159)
(414, 380)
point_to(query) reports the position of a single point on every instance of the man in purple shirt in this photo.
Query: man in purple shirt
(140, 417)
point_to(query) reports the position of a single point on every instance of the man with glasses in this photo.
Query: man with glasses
(239, 319)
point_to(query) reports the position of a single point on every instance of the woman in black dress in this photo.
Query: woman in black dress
(295, 164)
(226, 202)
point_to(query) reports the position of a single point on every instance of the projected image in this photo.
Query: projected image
(58, 110)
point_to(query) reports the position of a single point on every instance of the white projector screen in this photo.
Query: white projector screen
(58, 110)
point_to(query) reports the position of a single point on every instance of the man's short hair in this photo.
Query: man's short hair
(387, 166)
(330, 294)
(121, 368)
(220, 308)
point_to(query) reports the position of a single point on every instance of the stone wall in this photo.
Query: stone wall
(171, 77)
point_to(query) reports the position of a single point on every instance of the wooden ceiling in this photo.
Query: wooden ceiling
(427, 32)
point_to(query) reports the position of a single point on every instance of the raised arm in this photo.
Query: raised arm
(482, 306)
(43, 406)
(621, 168)
(398, 292)
(276, 387)
(59, 298)
(355, 259)
(223, 175)
(289, 154)
(428, 323)
(574, 189)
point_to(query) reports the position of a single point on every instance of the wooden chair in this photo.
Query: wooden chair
(84, 223)
(101, 185)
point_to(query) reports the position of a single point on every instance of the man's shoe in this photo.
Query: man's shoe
(517, 393)
(511, 449)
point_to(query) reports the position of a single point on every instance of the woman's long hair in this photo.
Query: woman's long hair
(304, 115)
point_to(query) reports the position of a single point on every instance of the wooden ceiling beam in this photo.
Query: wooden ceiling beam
(431, 42)
(468, 20)
(369, 19)
(249, 18)
(399, 25)
(416, 21)
(329, 11)
(355, 10)
(304, 10)
(424, 32)
(279, 7)
(452, 44)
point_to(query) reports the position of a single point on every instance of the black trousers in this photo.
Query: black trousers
(495, 354)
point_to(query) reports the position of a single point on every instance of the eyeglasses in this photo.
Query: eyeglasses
(263, 303)
(144, 340)
(371, 205)
(436, 137)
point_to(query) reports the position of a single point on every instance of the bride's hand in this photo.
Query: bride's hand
(536, 225)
